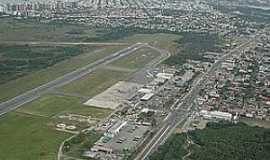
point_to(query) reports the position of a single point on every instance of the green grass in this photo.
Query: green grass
(33, 80)
(137, 60)
(28, 133)
(95, 82)
(50, 105)
(25, 137)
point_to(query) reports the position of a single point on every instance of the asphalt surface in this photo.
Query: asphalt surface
(61, 81)
(182, 108)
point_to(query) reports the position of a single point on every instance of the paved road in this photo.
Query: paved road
(61, 81)
(182, 108)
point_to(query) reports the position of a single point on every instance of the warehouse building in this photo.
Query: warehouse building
(216, 115)
(115, 129)
(147, 96)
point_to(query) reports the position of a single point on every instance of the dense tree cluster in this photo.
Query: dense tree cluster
(193, 45)
(17, 61)
(218, 141)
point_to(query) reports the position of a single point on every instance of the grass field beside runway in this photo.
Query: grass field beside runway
(59, 32)
(28, 137)
(51, 105)
(35, 79)
(95, 82)
(28, 133)
(138, 59)
(104, 78)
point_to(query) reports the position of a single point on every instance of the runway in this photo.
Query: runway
(65, 79)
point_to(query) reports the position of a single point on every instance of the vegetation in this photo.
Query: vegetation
(63, 32)
(12, 29)
(223, 140)
(50, 105)
(28, 133)
(173, 149)
(17, 61)
(192, 45)
(66, 32)
(45, 75)
(27, 137)
(94, 83)
(109, 34)
(77, 145)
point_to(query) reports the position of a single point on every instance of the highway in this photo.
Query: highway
(65, 79)
(182, 107)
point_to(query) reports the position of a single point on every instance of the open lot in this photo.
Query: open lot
(115, 95)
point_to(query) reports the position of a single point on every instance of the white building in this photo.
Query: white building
(145, 90)
(115, 129)
(216, 115)
(147, 96)
(165, 75)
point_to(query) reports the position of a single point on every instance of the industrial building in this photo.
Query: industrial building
(127, 137)
(147, 96)
(115, 129)
(216, 115)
